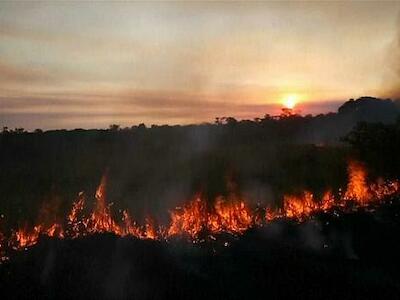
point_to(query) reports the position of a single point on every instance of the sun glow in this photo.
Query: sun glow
(290, 101)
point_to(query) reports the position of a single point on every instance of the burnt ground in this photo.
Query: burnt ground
(333, 256)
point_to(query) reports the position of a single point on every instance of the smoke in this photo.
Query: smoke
(311, 236)
(392, 87)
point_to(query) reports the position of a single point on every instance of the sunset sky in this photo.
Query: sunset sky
(91, 64)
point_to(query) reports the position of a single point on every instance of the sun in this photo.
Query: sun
(289, 101)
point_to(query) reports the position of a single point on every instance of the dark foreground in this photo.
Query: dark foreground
(352, 256)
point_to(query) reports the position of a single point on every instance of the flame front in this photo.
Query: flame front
(227, 215)
(101, 219)
(200, 217)
(357, 187)
(230, 215)
(190, 219)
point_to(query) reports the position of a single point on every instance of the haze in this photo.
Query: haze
(86, 65)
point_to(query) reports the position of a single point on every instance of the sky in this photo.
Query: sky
(92, 64)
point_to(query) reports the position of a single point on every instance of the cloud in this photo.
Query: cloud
(182, 63)
(12, 74)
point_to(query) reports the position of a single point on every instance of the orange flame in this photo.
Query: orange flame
(357, 187)
(101, 220)
(189, 219)
(228, 214)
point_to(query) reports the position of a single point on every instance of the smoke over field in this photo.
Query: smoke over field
(118, 211)
(200, 150)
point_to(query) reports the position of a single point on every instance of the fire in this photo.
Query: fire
(199, 217)
(55, 230)
(24, 237)
(357, 188)
(382, 189)
(75, 225)
(189, 219)
(327, 201)
(227, 215)
(101, 220)
(230, 215)
(299, 207)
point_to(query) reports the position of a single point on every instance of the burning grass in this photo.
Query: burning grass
(230, 214)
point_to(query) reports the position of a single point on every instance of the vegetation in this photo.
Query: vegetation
(154, 169)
